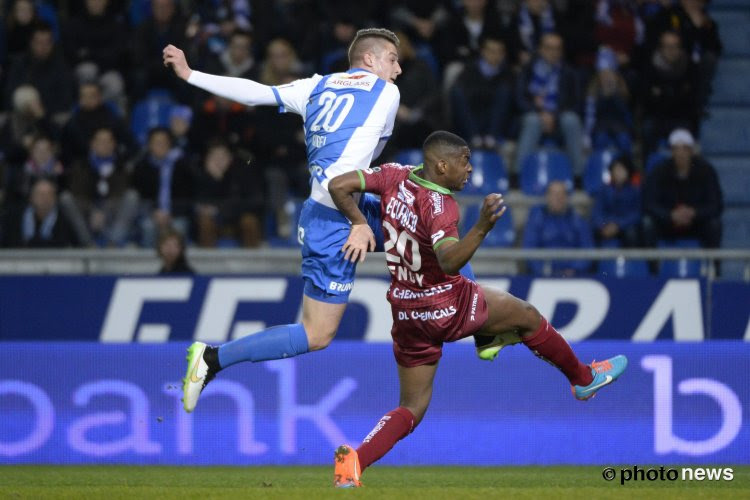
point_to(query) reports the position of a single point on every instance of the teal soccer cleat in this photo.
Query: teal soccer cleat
(604, 372)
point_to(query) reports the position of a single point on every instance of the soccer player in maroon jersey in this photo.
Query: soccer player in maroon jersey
(431, 302)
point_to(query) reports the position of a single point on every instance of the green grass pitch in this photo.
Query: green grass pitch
(411, 483)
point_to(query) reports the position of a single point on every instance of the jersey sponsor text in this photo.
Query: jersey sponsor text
(401, 212)
(406, 294)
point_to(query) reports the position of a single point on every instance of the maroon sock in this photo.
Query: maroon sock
(548, 344)
(393, 427)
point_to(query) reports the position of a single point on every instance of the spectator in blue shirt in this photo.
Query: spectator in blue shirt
(617, 206)
(556, 225)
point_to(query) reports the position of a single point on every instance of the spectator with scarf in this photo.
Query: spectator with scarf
(669, 92)
(534, 19)
(481, 99)
(40, 224)
(700, 39)
(164, 183)
(608, 120)
(549, 98)
(41, 163)
(100, 203)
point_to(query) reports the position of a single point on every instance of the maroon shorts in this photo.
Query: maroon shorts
(418, 334)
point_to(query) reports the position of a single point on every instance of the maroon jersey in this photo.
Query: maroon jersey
(418, 216)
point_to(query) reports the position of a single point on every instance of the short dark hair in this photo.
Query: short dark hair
(160, 130)
(366, 38)
(42, 27)
(170, 232)
(442, 139)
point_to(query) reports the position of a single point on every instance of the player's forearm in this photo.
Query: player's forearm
(341, 194)
(241, 90)
(452, 258)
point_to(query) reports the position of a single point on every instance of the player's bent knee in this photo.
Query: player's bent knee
(417, 411)
(319, 339)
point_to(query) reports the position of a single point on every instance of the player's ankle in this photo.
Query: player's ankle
(211, 357)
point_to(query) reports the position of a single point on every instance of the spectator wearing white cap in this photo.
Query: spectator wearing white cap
(682, 197)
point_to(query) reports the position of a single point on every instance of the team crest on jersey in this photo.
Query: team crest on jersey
(405, 195)
(438, 236)
(437, 203)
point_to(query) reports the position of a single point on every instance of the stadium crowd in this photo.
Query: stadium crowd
(102, 146)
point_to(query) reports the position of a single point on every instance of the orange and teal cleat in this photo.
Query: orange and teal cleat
(346, 467)
(604, 372)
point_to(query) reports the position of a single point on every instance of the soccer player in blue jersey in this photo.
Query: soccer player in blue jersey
(347, 117)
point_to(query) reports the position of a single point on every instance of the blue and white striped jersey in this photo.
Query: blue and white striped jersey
(347, 117)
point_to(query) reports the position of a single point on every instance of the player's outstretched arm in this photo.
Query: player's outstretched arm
(361, 239)
(453, 255)
(241, 90)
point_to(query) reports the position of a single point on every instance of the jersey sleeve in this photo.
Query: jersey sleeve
(443, 219)
(378, 179)
(240, 90)
(394, 99)
(294, 96)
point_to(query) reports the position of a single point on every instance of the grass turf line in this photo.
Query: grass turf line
(412, 483)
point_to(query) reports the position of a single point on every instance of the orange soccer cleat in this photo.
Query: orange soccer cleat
(346, 467)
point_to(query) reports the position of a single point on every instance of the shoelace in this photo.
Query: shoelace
(601, 366)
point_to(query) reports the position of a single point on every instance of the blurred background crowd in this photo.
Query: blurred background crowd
(587, 113)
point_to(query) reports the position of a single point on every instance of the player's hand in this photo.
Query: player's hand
(175, 58)
(492, 209)
(361, 239)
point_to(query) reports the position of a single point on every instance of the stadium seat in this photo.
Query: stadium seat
(541, 167)
(293, 207)
(489, 174)
(718, 4)
(735, 37)
(409, 157)
(736, 232)
(596, 172)
(227, 242)
(502, 235)
(151, 111)
(730, 83)
(734, 270)
(734, 177)
(680, 268)
(623, 268)
(726, 131)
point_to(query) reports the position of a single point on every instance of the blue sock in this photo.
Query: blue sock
(277, 342)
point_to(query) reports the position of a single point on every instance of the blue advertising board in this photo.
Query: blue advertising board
(76, 402)
(218, 308)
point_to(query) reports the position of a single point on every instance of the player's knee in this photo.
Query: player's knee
(417, 407)
(319, 338)
(418, 411)
(529, 319)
